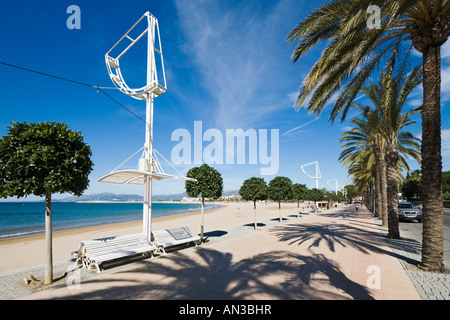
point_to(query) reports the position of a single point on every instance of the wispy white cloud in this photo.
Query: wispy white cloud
(235, 49)
(293, 96)
(299, 127)
(346, 128)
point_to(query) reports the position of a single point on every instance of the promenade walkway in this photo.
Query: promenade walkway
(334, 255)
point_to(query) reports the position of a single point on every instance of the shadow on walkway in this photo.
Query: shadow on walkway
(354, 232)
(211, 274)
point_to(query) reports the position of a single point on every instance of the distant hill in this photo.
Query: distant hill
(106, 196)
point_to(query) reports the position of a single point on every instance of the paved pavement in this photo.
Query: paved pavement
(430, 285)
(332, 255)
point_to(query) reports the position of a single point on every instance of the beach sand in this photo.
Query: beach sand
(24, 252)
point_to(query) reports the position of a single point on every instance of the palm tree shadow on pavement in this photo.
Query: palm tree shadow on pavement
(206, 273)
(358, 235)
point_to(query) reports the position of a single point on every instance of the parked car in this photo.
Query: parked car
(408, 211)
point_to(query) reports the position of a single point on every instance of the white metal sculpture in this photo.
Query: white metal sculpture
(344, 191)
(149, 168)
(153, 86)
(317, 176)
(336, 185)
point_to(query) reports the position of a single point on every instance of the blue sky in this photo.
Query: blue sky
(227, 64)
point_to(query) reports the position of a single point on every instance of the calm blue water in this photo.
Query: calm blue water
(27, 218)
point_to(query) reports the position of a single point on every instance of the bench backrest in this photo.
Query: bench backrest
(173, 236)
(112, 244)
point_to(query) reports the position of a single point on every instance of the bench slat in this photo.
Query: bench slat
(96, 251)
(119, 254)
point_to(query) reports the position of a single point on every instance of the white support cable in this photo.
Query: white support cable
(99, 89)
(156, 161)
(105, 88)
(127, 159)
(169, 163)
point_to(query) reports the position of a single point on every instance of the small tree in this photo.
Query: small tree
(42, 159)
(315, 195)
(280, 189)
(254, 189)
(299, 192)
(209, 185)
(351, 192)
(411, 187)
(446, 181)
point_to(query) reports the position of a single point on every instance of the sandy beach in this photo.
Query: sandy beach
(24, 252)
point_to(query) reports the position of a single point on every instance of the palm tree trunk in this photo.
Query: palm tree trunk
(48, 239)
(392, 191)
(378, 196)
(370, 197)
(381, 163)
(433, 212)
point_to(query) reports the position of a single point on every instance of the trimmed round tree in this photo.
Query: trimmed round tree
(209, 185)
(315, 195)
(280, 189)
(254, 189)
(42, 159)
(299, 192)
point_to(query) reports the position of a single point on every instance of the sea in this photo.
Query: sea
(27, 218)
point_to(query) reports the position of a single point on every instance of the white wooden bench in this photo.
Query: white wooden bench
(171, 237)
(94, 252)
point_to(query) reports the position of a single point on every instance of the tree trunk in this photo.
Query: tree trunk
(369, 198)
(279, 209)
(48, 239)
(378, 197)
(202, 224)
(383, 207)
(254, 212)
(392, 191)
(433, 212)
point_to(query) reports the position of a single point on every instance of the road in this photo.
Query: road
(413, 230)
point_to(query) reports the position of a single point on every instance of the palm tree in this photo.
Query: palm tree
(362, 172)
(361, 155)
(365, 145)
(354, 51)
(394, 92)
(383, 127)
